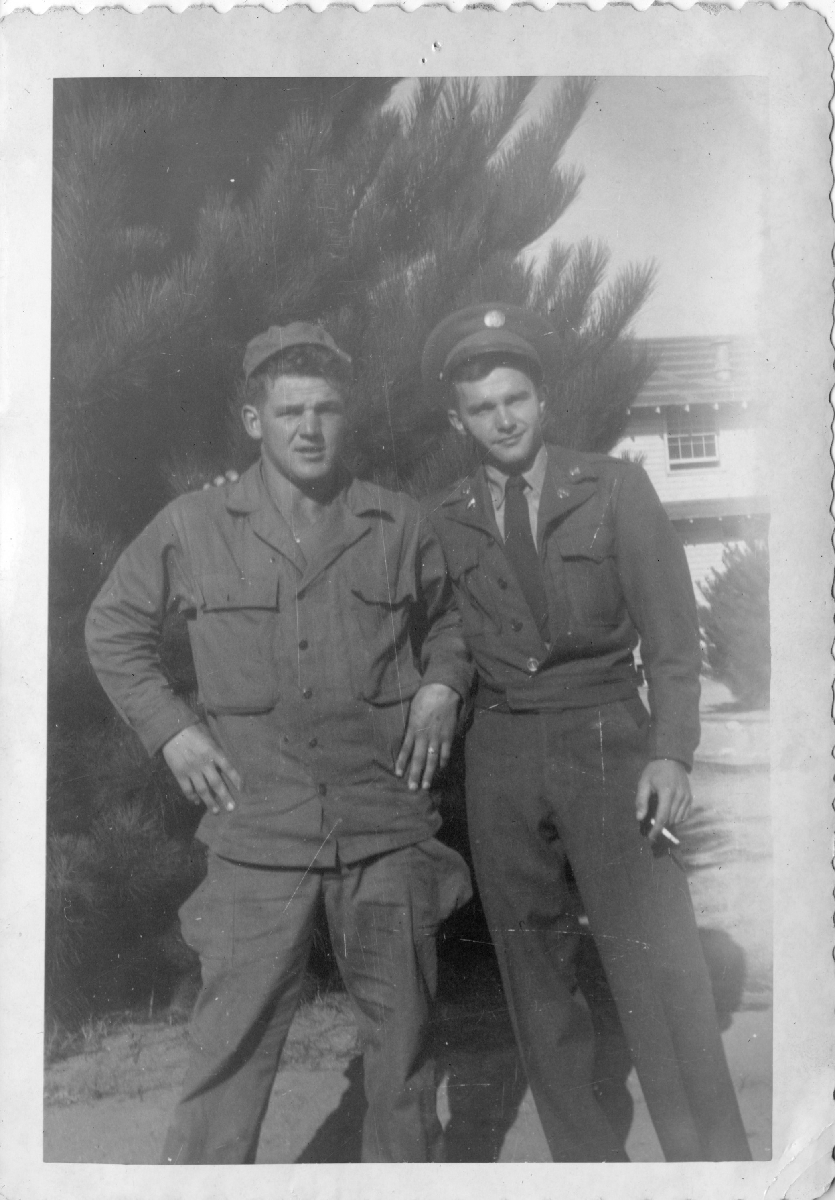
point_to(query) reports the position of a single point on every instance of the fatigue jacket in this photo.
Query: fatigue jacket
(615, 572)
(305, 669)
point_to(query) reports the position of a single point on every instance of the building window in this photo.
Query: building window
(691, 436)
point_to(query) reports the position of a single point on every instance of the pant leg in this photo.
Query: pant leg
(640, 913)
(252, 927)
(383, 915)
(612, 1059)
(520, 869)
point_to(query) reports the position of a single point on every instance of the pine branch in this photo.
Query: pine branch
(502, 277)
(568, 306)
(504, 108)
(613, 379)
(617, 306)
(567, 108)
(548, 278)
(352, 103)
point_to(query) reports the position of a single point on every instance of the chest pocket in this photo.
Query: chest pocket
(232, 641)
(383, 665)
(474, 589)
(590, 575)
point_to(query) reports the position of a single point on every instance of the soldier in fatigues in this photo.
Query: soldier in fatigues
(314, 750)
(561, 562)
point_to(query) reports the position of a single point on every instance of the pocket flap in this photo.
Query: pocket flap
(589, 541)
(226, 591)
(374, 588)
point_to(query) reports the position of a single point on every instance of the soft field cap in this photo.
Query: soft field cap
(282, 337)
(484, 329)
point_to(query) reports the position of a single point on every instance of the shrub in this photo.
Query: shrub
(735, 623)
(112, 897)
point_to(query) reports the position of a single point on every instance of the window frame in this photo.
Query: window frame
(705, 432)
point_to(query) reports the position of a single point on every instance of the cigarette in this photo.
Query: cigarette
(671, 837)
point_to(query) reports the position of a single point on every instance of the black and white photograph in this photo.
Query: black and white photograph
(415, 773)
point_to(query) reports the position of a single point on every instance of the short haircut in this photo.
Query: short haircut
(480, 366)
(309, 361)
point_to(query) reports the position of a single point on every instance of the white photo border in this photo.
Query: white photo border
(790, 48)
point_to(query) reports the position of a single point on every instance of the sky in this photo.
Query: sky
(675, 171)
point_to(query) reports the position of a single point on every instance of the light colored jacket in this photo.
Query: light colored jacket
(305, 669)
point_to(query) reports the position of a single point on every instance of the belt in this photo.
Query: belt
(590, 694)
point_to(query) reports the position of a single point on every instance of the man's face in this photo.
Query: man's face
(503, 413)
(301, 426)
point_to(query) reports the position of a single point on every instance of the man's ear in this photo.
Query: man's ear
(251, 418)
(455, 420)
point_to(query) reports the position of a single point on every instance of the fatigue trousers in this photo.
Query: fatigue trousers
(252, 927)
(546, 787)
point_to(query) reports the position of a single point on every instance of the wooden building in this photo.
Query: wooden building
(697, 427)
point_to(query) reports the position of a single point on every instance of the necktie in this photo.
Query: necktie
(521, 551)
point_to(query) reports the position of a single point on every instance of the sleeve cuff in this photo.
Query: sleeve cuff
(174, 716)
(458, 676)
(661, 747)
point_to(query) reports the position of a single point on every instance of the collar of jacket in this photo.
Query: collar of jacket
(352, 514)
(571, 478)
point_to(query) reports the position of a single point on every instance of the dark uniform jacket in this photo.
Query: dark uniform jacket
(305, 668)
(615, 572)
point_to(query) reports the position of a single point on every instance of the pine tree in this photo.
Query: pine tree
(735, 623)
(190, 214)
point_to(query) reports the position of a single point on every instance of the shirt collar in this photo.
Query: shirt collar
(534, 477)
(249, 493)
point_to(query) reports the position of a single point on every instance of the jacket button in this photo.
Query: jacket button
(303, 644)
(307, 693)
(515, 625)
(313, 743)
(323, 789)
(532, 664)
(502, 583)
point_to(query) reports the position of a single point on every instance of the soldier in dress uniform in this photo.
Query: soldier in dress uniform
(561, 562)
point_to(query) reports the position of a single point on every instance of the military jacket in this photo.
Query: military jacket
(305, 669)
(615, 572)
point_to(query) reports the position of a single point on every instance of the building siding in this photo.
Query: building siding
(737, 472)
(693, 371)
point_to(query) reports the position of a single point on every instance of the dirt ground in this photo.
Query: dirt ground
(112, 1105)
(111, 1102)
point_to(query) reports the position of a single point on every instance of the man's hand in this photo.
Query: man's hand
(667, 780)
(429, 734)
(201, 768)
(231, 476)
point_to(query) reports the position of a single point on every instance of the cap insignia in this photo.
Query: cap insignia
(494, 319)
